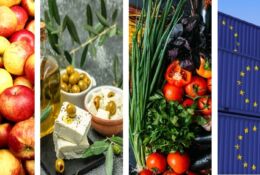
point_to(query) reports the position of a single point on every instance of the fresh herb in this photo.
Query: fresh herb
(149, 44)
(111, 146)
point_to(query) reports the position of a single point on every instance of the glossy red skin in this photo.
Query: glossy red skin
(156, 163)
(145, 172)
(172, 93)
(17, 103)
(187, 102)
(197, 87)
(209, 84)
(204, 105)
(180, 163)
(169, 172)
(23, 35)
(28, 5)
(4, 134)
(21, 139)
(21, 16)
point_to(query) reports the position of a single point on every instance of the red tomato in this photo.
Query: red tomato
(156, 163)
(209, 84)
(187, 102)
(204, 104)
(169, 172)
(180, 163)
(145, 172)
(176, 75)
(172, 93)
(197, 87)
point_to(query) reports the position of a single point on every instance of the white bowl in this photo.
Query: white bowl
(77, 98)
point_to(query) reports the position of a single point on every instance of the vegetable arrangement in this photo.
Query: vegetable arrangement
(170, 94)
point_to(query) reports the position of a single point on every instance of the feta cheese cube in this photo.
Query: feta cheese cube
(101, 113)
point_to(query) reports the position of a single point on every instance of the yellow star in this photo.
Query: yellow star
(239, 157)
(246, 130)
(231, 27)
(235, 50)
(242, 74)
(223, 22)
(254, 128)
(247, 100)
(239, 82)
(237, 146)
(256, 68)
(242, 92)
(255, 104)
(248, 68)
(253, 167)
(240, 137)
(245, 164)
(236, 35)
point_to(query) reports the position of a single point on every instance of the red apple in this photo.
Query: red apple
(9, 164)
(29, 68)
(1, 119)
(17, 103)
(21, 16)
(8, 21)
(21, 139)
(23, 81)
(23, 35)
(29, 6)
(31, 26)
(29, 165)
(4, 133)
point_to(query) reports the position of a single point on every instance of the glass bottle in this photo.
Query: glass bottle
(50, 87)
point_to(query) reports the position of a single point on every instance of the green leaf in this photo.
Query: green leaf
(53, 40)
(46, 16)
(72, 30)
(96, 148)
(117, 140)
(99, 27)
(54, 11)
(113, 32)
(68, 56)
(89, 15)
(102, 20)
(93, 51)
(91, 30)
(201, 120)
(102, 40)
(114, 16)
(64, 23)
(84, 56)
(109, 160)
(103, 8)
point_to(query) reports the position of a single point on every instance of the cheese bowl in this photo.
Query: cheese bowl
(103, 125)
(77, 98)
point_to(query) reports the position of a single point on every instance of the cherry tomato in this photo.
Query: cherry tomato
(197, 87)
(156, 163)
(172, 93)
(204, 69)
(209, 84)
(176, 75)
(204, 104)
(187, 102)
(180, 163)
(170, 172)
(145, 172)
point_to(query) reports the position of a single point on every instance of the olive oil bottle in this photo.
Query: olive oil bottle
(50, 88)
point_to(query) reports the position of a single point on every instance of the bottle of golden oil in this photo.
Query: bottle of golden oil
(50, 87)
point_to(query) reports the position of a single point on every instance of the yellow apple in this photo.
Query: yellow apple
(9, 164)
(4, 43)
(23, 81)
(6, 80)
(9, 3)
(8, 21)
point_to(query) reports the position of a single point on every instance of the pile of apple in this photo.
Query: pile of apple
(16, 87)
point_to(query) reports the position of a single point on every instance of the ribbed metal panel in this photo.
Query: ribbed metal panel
(238, 93)
(238, 36)
(230, 147)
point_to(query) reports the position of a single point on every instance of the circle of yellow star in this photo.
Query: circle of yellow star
(239, 157)
(235, 35)
(240, 137)
(254, 128)
(223, 22)
(239, 82)
(242, 92)
(248, 68)
(246, 130)
(237, 146)
(247, 100)
(242, 74)
(245, 164)
(255, 104)
(253, 167)
(231, 27)
(256, 68)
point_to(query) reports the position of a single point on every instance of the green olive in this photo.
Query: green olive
(70, 70)
(110, 94)
(111, 107)
(69, 86)
(59, 166)
(75, 89)
(117, 149)
(71, 110)
(64, 86)
(97, 102)
(74, 78)
(82, 76)
(87, 80)
(82, 85)
(65, 77)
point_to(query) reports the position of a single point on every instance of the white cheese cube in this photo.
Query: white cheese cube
(101, 113)
(73, 131)
(92, 108)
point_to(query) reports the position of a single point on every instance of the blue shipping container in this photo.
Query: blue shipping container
(236, 35)
(238, 144)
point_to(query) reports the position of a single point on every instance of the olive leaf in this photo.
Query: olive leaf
(53, 40)
(54, 11)
(117, 140)
(64, 23)
(72, 30)
(96, 148)
(89, 15)
(109, 160)
(84, 56)
(68, 56)
(102, 40)
(103, 8)
(114, 16)
(102, 20)
(91, 30)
